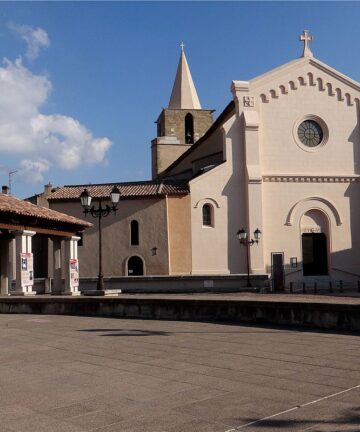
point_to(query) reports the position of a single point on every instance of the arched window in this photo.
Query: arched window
(135, 266)
(207, 215)
(134, 233)
(189, 129)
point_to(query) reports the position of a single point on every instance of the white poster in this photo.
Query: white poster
(74, 273)
(27, 269)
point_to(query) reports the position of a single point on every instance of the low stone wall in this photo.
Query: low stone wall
(332, 316)
(178, 284)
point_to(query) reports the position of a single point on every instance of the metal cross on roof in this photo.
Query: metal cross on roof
(306, 39)
(182, 46)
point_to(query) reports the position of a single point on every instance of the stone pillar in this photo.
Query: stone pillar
(57, 281)
(71, 259)
(22, 245)
(4, 266)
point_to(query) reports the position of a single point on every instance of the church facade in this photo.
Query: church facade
(282, 158)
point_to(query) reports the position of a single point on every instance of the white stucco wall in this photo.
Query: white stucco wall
(293, 173)
(216, 250)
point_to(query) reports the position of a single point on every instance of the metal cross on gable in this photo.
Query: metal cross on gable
(306, 39)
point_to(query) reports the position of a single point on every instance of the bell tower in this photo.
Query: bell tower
(181, 124)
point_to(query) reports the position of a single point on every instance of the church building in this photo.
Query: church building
(279, 165)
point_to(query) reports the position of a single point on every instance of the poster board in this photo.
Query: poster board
(74, 273)
(27, 269)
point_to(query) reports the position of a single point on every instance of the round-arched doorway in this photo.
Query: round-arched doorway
(135, 266)
(315, 243)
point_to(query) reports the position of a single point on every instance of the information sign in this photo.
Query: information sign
(27, 269)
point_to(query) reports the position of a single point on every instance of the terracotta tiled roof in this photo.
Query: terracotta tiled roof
(128, 190)
(10, 204)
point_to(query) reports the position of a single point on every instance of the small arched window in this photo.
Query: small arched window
(134, 233)
(207, 215)
(189, 129)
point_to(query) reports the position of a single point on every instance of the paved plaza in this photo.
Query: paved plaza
(62, 373)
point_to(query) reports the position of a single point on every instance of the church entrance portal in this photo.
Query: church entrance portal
(314, 248)
(314, 239)
(135, 266)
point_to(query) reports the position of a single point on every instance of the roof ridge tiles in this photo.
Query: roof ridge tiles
(138, 182)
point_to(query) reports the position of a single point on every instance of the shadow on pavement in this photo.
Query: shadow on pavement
(127, 332)
(347, 418)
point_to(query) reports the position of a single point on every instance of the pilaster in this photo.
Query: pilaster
(24, 263)
(57, 280)
(4, 266)
(71, 266)
(248, 117)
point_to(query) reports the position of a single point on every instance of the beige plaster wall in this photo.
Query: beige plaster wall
(283, 222)
(297, 177)
(253, 188)
(215, 249)
(179, 231)
(279, 152)
(152, 217)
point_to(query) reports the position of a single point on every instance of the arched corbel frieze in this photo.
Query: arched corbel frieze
(339, 94)
(348, 99)
(302, 81)
(310, 80)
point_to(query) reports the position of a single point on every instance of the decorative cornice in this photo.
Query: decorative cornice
(310, 179)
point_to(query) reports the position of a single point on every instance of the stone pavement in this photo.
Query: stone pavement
(69, 374)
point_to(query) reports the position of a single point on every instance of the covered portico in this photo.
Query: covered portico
(20, 223)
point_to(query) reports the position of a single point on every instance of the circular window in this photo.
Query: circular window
(310, 133)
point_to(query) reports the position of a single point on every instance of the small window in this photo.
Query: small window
(189, 129)
(207, 215)
(134, 233)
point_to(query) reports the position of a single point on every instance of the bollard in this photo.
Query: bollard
(291, 287)
(330, 287)
(341, 284)
(315, 287)
(304, 289)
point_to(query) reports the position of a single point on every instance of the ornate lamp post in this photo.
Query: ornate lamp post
(100, 212)
(242, 236)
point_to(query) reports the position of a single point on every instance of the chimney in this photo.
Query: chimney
(48, 189)
(5, 189)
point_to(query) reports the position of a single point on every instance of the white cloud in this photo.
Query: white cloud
(32, 170)
(35, 38)
(42, 140)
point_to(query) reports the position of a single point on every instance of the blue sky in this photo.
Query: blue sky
(97, 74)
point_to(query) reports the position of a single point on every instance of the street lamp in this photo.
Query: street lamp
(100, 212)
(242, 236)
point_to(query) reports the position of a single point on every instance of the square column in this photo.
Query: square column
(71, 266)
(57, 280)
(4, 266)
(24, 263)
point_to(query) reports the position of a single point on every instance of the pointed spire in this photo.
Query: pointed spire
(184, 94)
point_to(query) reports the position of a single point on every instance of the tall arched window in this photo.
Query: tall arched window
(189, 129)
(134, 233)
(207, 215)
